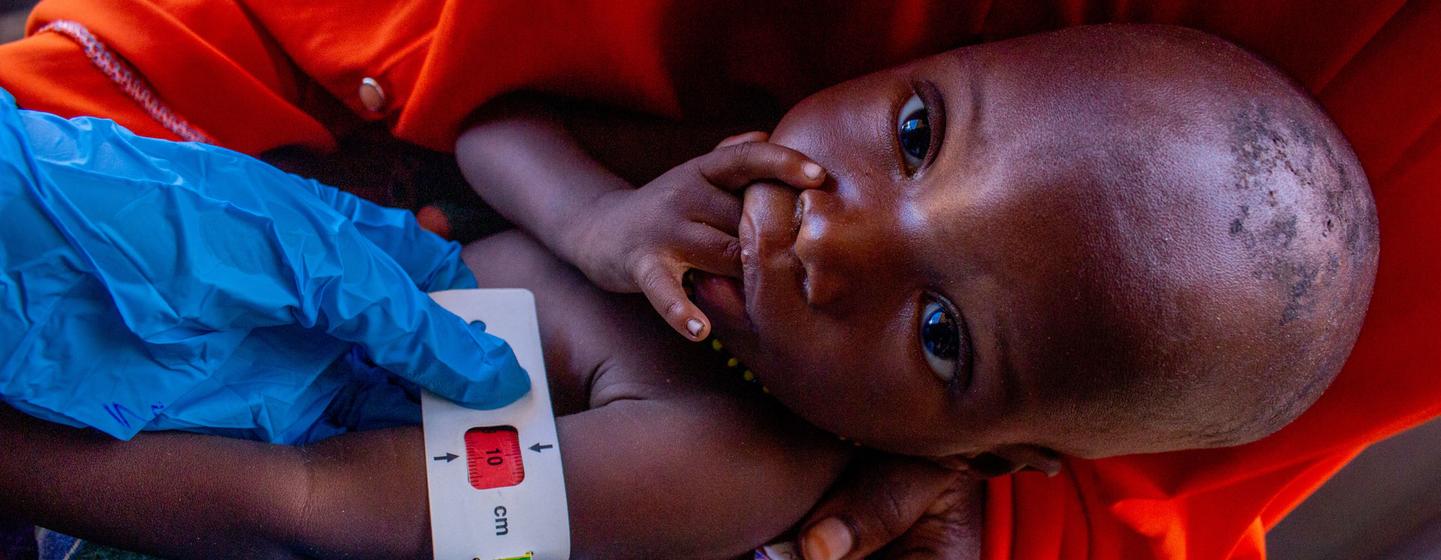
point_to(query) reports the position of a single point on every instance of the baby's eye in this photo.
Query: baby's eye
(941, 339)
(913, 132)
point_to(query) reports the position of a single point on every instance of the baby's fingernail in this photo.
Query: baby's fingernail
(812, 170)
(694, 326)
(828, 540)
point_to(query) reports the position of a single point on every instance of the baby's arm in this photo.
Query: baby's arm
(526, 165)
(675, 456)
(662, 462)
(176, 495)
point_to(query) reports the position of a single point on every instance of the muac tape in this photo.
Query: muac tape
(497, 491)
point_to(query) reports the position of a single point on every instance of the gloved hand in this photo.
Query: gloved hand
(149, 284)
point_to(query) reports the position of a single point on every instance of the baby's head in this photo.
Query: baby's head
(1099, 241)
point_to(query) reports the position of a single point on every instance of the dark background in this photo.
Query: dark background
(12, 18)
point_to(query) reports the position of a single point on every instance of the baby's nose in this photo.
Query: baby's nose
(843, 250)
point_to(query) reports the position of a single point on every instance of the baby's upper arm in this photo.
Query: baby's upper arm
(598, 346)
(666, 453)
(513, 259)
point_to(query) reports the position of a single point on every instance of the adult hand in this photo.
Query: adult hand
(135, 270)
(888, 506)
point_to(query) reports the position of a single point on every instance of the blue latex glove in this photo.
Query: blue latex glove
(150, 284)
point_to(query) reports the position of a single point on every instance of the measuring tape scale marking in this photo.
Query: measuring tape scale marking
(505, 499)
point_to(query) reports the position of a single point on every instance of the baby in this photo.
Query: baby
(1093, 242)
(1099, 241)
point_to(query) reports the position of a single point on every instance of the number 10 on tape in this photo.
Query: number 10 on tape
(497, 491)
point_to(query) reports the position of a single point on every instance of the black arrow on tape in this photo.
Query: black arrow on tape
(448, 457)
(538, 447)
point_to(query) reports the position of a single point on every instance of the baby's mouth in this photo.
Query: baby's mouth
(767, 234)
(722, 298)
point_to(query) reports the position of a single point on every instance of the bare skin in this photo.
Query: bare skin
(1125, 239)
(612, 366)
(664, 455)
(624, 239)
(1093, 242)
(1110, 240)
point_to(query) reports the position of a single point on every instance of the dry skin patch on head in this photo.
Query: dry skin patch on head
(1292, 183)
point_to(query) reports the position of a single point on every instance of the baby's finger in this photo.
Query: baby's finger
(661, 283)
(713, 251)
(734, 167)
(718, 209)
(752, 136)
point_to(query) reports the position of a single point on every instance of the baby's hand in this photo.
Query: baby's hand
(644, 240)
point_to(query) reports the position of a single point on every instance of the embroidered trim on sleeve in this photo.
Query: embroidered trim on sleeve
(120, 72)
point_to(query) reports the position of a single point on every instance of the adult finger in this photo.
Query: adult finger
(214, 243)
(950, 528)
(363, 282)
(734, 167)
(431, 262)
(660, 281)
(875, 502)
(366, 298)
(360, 292)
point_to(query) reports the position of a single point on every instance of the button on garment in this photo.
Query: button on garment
(372, 96)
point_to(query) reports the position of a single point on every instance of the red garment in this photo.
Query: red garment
(267, 74)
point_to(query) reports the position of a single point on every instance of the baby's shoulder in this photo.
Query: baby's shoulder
(600, 347)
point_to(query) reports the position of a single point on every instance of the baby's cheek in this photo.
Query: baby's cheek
(840, 403)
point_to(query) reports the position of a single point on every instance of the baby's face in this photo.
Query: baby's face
(954, 287)
(915, 301)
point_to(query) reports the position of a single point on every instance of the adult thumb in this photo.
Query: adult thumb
(877, 501)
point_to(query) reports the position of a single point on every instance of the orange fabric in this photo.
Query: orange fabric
(258, 75)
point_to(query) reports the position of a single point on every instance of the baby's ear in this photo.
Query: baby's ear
(1006, 459)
